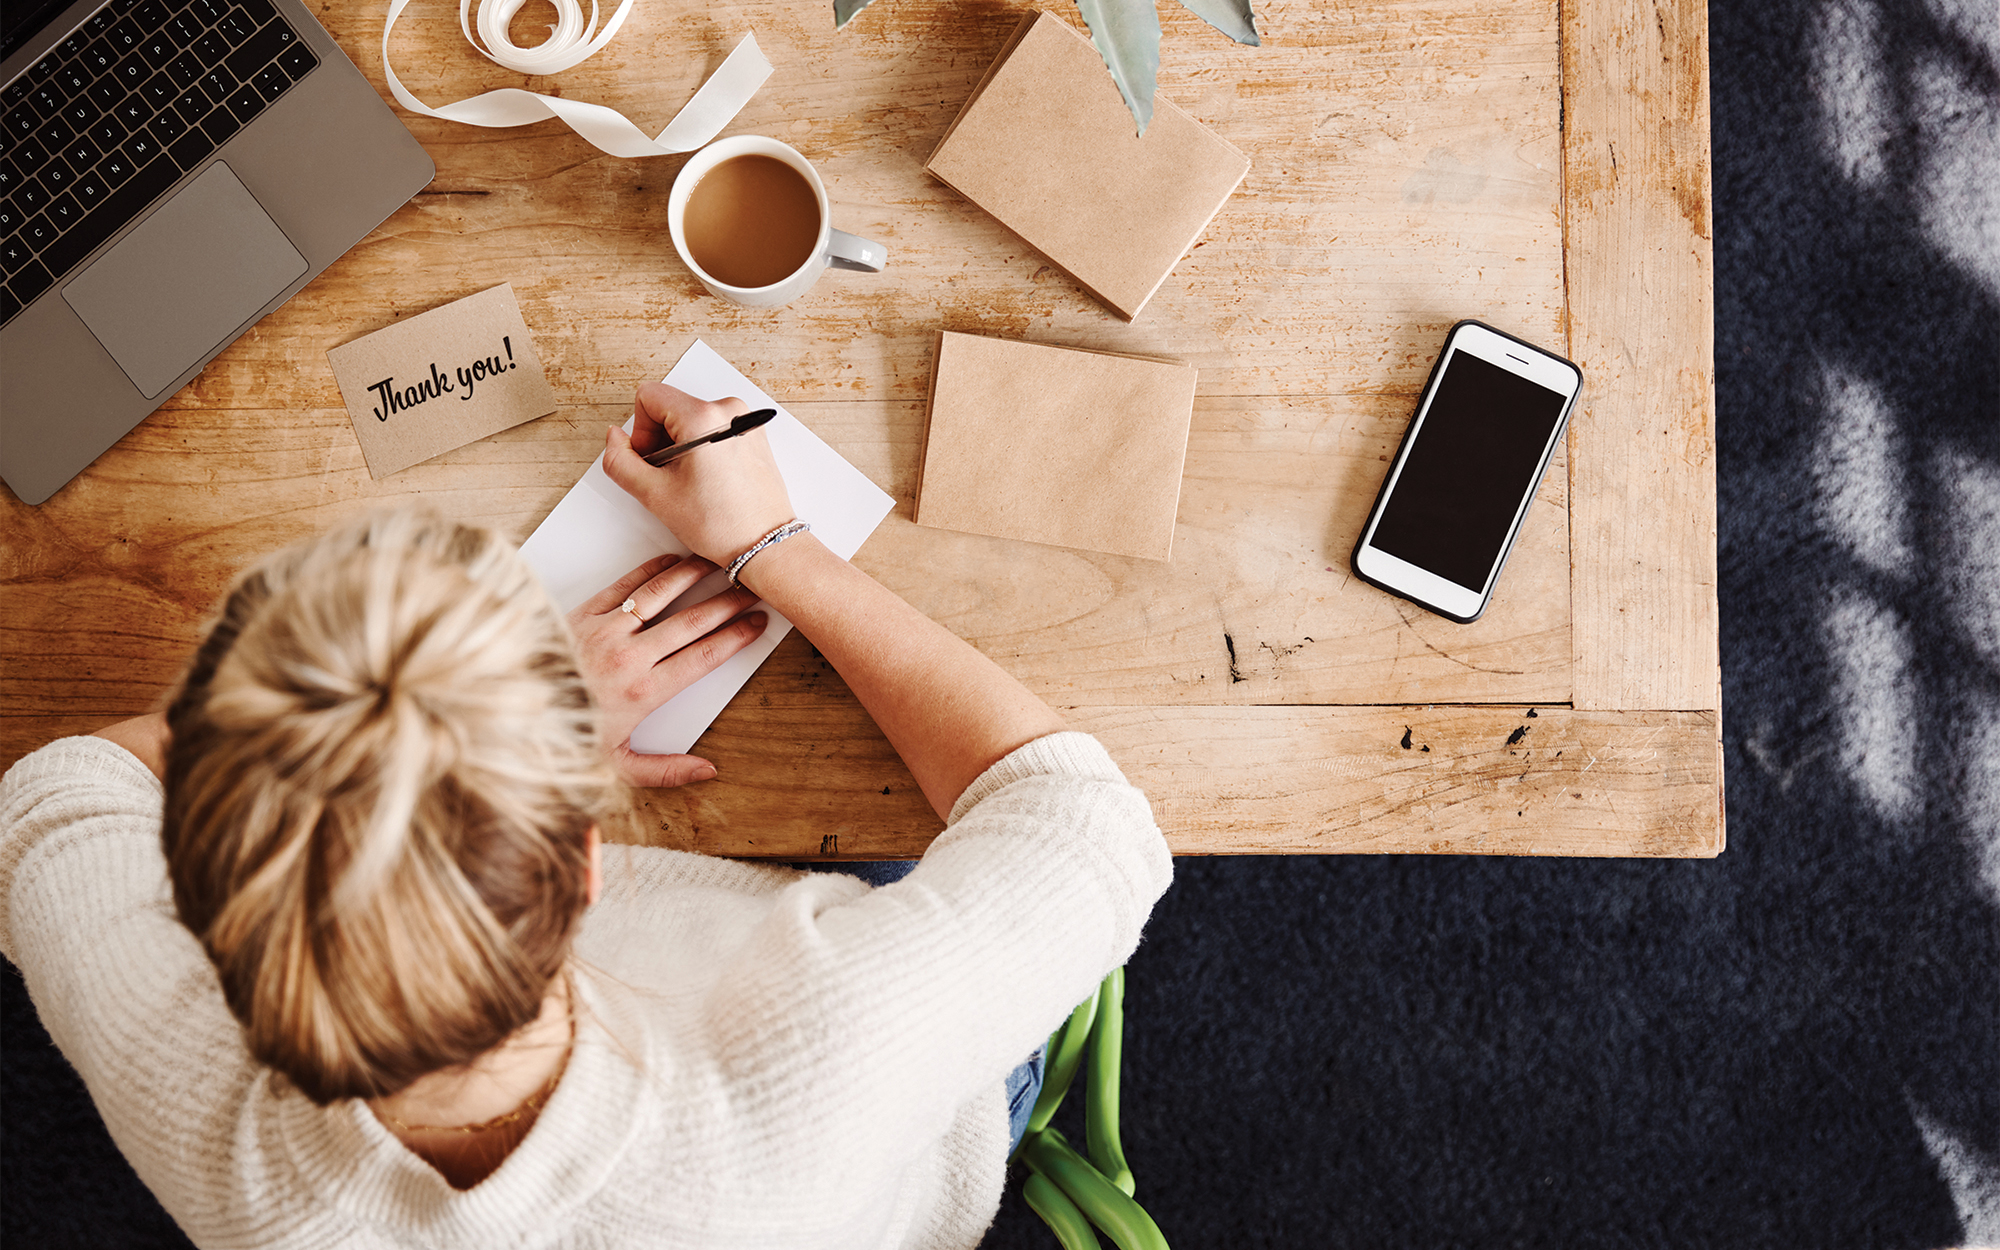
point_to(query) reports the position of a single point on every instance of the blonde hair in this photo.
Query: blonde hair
(382, 773)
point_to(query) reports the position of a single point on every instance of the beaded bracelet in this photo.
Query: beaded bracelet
(778, 535)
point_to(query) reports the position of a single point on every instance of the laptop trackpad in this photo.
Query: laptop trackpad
(186, 280)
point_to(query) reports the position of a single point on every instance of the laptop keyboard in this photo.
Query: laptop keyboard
(114, 115)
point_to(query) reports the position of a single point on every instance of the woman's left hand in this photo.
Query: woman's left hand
(634, 663)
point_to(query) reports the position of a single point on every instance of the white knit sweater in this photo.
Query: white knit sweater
(768, 1058)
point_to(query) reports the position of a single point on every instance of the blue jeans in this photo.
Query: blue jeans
(1024, 1083)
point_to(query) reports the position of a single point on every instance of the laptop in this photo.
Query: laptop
(172, 170)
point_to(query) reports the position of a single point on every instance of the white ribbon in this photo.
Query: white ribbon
(725, 93)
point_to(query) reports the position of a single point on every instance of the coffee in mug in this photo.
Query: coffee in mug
(750, 216)
(751, 221)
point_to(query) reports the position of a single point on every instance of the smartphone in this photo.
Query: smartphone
(1452, 504)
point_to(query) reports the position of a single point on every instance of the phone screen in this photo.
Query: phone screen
(1471, 463)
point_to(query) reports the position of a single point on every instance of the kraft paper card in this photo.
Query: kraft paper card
(598, 533)
(1046, 145)
(1055, 445)
(440, 380)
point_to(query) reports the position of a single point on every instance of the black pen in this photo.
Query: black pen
(741, 425)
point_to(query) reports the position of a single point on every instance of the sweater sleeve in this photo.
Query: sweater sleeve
(123, 988)
(875, 1014)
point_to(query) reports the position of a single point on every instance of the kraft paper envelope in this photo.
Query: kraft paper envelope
(1054, 445)
(598, 533)
(1046, 145)
(440, 380)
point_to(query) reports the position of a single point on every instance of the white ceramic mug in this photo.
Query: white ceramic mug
(835, 247)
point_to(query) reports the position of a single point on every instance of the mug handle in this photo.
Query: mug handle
(847, 251)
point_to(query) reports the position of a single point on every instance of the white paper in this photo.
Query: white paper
(725, 93)
(598, 533)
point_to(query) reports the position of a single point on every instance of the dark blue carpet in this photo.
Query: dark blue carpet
(1797, 1044)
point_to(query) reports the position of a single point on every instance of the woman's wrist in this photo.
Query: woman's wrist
(781, 566)
(772, 537)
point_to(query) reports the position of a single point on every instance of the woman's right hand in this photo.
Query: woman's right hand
(720, 499)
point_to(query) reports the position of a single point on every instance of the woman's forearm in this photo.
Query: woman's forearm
(948, 710)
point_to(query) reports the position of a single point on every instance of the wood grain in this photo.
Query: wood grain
(1641, 292)
(1407, 171)
(1231, 780)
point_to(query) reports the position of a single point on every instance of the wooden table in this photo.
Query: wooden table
(1541, 168)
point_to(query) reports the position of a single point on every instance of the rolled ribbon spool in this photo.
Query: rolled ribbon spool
(571, 41)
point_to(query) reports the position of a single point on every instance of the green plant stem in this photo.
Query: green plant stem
(1071, 1227)
(1100, 1089)
(1107, 1206)
(1065, 1055)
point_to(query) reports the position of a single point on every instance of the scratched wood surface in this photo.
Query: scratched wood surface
(1642, 305)
(1406, 171)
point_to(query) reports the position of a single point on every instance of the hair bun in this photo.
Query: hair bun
(383, 763)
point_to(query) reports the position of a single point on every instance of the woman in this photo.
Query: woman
(338, 953)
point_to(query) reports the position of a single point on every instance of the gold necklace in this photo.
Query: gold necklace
(530, 1106)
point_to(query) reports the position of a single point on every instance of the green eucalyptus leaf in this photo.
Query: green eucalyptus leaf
(844, 11)
(1231, 17)
(1127, 35)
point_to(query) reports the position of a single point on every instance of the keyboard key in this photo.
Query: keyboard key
(114, 169)
(141, 148)
(210, 50)
(29, 155)
(150, 14)
(90, 190)
(32, 196)
(236, 28)
(192, 105)
(22, 123)
(217, 85)
(260, 11)
(75, 44)
(298, 61)
(47, 100)
(158, 50)
(182, 30)
(73, 78)
(246, 104)
(131, 74)
(10, 217)
(53, 134)
(132, 112)
(80, 113)
(81, 153)
(193, 147)
(107, 91)
(219, 125)
(108, 132)
(185, 68)
(63, 211)
(125, 37)
(124, 6)
(10, 178)
(271, 82)
(29, 281)
(38, 233)
(98, 58)
(13, 255)
(160, 91)
(167, 126)
(263, 48)
(209, 11)
(102, 20)
(56, 175)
